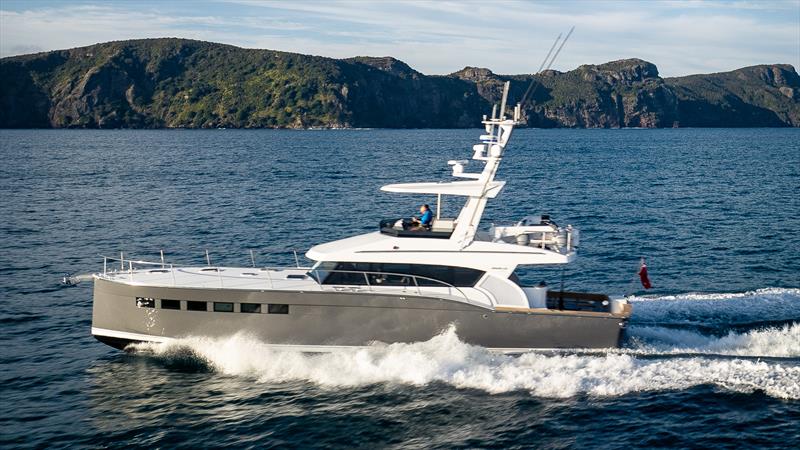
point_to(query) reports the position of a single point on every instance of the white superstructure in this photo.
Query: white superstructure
(458, 241)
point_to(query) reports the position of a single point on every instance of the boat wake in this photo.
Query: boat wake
(656, 357)
(777, 342)
(718, 312)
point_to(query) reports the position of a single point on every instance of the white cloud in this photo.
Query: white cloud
(441, 37)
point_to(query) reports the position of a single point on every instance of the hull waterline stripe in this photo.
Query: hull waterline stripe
(495, 252)
(129, 336)
(137, 337)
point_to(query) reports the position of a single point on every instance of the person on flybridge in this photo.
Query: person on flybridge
(425, 221)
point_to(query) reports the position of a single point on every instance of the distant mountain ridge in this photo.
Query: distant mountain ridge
(179, 83)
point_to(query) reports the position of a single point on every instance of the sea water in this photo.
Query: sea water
(711, 357)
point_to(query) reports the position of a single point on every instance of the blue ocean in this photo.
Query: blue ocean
(712, 353)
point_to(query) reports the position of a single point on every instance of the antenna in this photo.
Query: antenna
(505, 98)
(531, 89)
(561, 46)
(544, 61)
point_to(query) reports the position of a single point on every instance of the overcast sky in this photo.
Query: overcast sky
(680, 37)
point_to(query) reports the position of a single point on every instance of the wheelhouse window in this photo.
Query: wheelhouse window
(196, 306)
(393, 274)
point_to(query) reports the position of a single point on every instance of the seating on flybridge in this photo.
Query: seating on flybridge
(533, 231)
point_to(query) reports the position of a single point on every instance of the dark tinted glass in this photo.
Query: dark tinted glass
(196, 306)
(278, 309)
(251, 308)
(170, 304)
(347, 273)
(379, 275)
(223, 307)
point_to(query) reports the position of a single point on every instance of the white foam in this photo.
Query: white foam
(446, 359)
(781, 341)
(762, 305)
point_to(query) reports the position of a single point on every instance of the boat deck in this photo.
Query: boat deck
(217, 277)
(278, 279)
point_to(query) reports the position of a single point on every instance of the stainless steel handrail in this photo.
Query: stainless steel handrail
(414, 278)
(106, 259)
(122, 260)
(127, 261)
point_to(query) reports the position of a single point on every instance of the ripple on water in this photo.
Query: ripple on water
(710, 209)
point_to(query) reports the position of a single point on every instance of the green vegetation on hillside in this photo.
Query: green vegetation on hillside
(156, 83)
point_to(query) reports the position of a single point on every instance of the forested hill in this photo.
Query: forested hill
(155, 83)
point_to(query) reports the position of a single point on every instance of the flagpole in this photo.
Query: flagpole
(634, 277)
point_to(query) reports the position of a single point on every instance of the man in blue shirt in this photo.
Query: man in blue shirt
(425, 221)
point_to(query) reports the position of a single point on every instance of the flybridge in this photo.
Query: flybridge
(482, 186)
(463, 230)
(460, 234)
(458, 241)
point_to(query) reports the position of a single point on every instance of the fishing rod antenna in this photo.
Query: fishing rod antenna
(534, 85)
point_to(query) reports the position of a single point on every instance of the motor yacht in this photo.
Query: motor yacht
(399, 283)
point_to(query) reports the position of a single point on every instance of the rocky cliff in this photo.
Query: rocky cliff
(156, 83)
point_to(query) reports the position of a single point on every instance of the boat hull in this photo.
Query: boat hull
(319, 321)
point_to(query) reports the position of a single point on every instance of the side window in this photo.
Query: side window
(277, 309)
(170, 304)
(196, 306)
(466, 277)
(431, 273)
(223, 307)
(321, 271)
(145, 302)
(346, 273)
(390, 279)
(254, 308)
(389, 274)
(457, 276)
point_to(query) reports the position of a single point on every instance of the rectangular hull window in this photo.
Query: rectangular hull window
(145, 302)
(251, 308)
(196, 306)
(170, 304)
(278, 309)
(223, 307)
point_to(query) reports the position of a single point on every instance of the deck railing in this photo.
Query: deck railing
(127, 265)
(115, 266)
(130, 266)
(413, 282)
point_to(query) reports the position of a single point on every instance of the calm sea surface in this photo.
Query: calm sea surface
(712, 357)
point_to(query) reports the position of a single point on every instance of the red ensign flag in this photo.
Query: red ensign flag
(643, 275)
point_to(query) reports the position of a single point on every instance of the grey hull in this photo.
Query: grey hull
(340, 319)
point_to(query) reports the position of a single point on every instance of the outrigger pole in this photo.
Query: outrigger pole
(530, 91)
